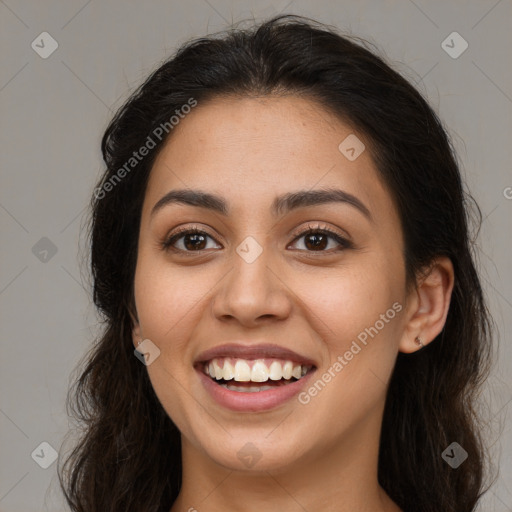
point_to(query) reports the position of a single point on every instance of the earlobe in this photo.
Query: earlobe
(136, 334)
(419, 341)
(429, 306)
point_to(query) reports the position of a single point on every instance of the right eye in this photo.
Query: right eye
(191, 237)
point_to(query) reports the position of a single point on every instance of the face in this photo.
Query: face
(252, 289)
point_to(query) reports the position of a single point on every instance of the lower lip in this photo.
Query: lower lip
(253, 401)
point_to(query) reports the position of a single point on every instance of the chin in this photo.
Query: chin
(254, 453)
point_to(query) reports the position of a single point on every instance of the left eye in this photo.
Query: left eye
(317, 238)
(194, 240)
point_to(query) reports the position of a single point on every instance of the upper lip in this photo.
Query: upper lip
(261, 351)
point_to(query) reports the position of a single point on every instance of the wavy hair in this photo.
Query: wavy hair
(129, 454)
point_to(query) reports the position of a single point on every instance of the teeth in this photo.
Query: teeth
(259, 372)
(211, 370)
(287, 370)
(218, 370)
(241, 370)
(244, 389)
(276, 371)
(228, 370)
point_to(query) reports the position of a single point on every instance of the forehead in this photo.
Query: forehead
(250, 150)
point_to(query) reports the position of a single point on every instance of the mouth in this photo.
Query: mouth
(253, 378)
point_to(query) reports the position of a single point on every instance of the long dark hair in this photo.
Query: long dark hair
(129, 456)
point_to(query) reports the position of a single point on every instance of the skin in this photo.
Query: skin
(318, 456)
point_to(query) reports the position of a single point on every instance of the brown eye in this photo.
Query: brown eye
(317, 239)
(193, 240)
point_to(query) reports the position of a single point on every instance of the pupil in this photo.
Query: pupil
(317, 244)
(195, 236)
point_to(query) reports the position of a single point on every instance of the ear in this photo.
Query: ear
(427, 305)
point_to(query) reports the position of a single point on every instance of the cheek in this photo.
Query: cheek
(165, 300)
(170, 302)
(347, 302)
(358, 315)
(359, 319)
(158, 303)
(162, 295)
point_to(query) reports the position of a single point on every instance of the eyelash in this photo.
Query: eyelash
(167, 244)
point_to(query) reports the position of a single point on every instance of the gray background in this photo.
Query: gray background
(54, 111)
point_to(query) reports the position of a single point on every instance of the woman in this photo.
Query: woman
(281, 238)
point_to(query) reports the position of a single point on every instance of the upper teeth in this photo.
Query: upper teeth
(240, 370)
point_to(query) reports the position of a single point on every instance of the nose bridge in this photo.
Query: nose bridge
(252, 288)
(251, 262)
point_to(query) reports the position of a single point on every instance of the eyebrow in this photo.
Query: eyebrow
(281, 205)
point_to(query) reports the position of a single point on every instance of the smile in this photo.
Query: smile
(246, 376)
(253, 378)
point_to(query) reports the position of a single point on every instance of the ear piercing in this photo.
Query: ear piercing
(419, 341)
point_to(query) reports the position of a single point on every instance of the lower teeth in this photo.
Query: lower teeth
(253, 389)
(245, 389)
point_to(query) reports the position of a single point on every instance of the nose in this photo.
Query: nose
(253, 292)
